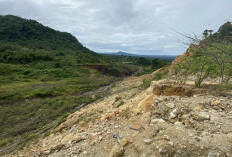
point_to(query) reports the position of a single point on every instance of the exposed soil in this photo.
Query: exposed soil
(164, 120)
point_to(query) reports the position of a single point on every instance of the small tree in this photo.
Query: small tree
(200, 65)
(181, 70)
(197, 64)
(205, 33)
(211, 55)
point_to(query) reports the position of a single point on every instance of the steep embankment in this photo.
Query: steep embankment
(163, 120)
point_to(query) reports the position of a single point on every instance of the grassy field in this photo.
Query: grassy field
(33, 100)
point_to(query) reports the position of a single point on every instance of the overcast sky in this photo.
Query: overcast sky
(135, 26)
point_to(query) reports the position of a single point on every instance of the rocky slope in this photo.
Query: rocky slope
(164, 120)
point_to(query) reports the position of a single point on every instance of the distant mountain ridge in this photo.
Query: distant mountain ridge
(124, 53)
(121, 53)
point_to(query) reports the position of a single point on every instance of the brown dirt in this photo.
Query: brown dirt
(172, 123)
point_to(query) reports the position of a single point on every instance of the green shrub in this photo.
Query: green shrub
(65, 115)
(146, 83)
(2, 144)
(43, 93)
(125, 113)
(120, 104)
(160, 75)
(31, 135)
(159, 63)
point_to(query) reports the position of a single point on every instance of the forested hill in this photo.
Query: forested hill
(224, 34)
(25, 41)
(31, 34)
(44, 76)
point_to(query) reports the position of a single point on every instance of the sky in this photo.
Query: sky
(133, 26)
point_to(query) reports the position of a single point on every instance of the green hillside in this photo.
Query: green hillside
(209, 57)
(25, 39)
(30, 33)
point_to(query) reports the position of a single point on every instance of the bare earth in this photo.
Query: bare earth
(172, 120)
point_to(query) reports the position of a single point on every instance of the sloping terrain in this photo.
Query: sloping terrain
(44, 77)
(30, 33)
(158, 121)
(58, 85)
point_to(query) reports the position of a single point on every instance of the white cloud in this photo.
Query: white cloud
(138, 26)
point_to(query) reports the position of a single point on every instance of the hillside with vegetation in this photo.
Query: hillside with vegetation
(144, 64)
(181, 110)
(45, 75)
(68, 105)
(208, 57)
(31, 34)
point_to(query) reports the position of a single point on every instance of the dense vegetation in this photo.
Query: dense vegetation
(146, 65)
(209, 57)
(32, 34)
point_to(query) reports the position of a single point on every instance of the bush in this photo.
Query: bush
(2, 144)
(160, 75)
(120, 104)
(146, 83)
(159, 63)
(43, 93)
(65, 115)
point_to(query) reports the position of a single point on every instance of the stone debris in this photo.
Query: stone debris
(116, 150)
(170, 105)
(183, 123)
(147, 141)
(173, 114)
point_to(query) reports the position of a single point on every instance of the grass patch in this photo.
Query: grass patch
(160, 75)
(145, 70)
(64, 116)
(146, 83)
(31, 135)
(1, 129)
(90, 117)
(221, 90)
(125, 113)
(2, 144)
(120, 104)
(22, 120)
(38, 89)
